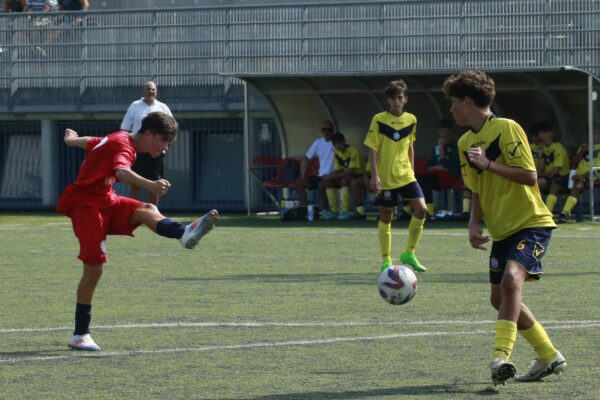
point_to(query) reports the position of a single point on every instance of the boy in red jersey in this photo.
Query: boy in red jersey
(96, 210)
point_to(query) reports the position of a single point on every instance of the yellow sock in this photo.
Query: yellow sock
(466, 205)
(539, 340)
(385, 239)
(506, 334)
(430, 209)
(332, 198)
(569, 204)
(415, 228)
(407, 209)
(551, 201)
(360, 210)
(345, 198)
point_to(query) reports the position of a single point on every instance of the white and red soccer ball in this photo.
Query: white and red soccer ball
(397, 284)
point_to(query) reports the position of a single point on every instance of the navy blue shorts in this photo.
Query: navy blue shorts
(389, 198)
(527, 247)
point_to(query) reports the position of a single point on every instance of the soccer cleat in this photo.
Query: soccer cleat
(193, 232)
(501, 370)
(562, 218)
(83, 342)
(540, 369)
(358, 216)
(329, 215)
(411, 260)
(385, 264)
(343, 216)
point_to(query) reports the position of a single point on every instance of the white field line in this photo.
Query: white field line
(313, 342)
(258, 324)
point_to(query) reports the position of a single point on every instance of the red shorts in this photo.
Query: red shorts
(92, 225)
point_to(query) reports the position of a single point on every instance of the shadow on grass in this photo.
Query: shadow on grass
(426, 390)
(354, 278)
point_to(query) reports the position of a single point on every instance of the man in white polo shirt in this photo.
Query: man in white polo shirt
(146, 166)
(321, 148)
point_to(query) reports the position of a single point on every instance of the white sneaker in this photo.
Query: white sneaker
(83, 342)
(501, 370)
(539, 369)
(200, 227)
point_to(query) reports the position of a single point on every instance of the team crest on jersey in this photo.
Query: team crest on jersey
(514, 150)
(538, 250)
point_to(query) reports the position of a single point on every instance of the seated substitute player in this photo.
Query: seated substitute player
(581, 179)
(390, 140)
(498, 167)
(97, 211)
(554, 179)
(348, 165)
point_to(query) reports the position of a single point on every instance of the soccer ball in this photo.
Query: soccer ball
(397, 284)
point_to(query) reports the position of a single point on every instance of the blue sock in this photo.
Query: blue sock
(83, 316)
(169, 228)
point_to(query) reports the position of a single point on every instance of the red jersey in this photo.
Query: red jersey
(93, 186)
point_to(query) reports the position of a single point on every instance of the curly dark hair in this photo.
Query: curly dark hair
(474, 84)
(161, 123)
(396, 88)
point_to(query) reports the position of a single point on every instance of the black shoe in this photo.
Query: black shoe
(358, 216)
(562, 218)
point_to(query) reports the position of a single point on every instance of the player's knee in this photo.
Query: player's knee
(148, 207)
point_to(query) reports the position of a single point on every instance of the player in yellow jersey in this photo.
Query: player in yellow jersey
(554, 179)
(390, 141)
(498, 167)
(348, 165)
(581, 179)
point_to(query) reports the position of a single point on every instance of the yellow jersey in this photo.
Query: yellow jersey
(391, 137)
(555, 155)
(507, 206)
(584, 165)
(349, 159)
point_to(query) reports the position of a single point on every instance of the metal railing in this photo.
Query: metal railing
(97, 59)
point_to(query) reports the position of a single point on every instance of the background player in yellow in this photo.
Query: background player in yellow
(348, 164)
(554, 179)
(498, 167)
(581, 179)
(390, 140)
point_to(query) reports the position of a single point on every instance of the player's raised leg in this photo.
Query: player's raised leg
(189, 235)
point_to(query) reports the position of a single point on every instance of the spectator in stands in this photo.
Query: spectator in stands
(554, 179)
(146, 166)
(390, 140)
(73, 5)
(348, 165)
(41, 6)
(321, 148)
(581, 179)
(14, 5)
(443, 165)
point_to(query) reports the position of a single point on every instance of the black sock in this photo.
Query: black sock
(83, 316)
(169, 228)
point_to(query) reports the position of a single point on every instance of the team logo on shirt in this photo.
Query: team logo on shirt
(101, 142)
(514, 150)
(344, 163)
(492, 153)
(494, 264)
(549, 158)
(392, 133)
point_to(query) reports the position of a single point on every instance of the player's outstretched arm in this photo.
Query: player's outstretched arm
(72, 139)
(159, 187)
